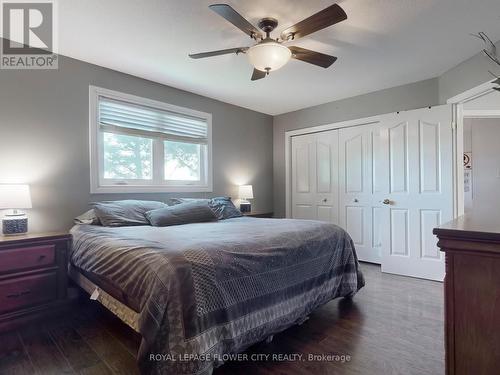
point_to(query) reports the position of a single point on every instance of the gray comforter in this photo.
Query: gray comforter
(204, 290)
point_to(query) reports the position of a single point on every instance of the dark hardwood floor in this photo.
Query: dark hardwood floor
(394, 325)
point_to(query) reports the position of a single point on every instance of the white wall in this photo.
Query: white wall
(485, 147)
(468, 174)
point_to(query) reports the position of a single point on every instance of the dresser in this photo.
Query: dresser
(33, 277)
(471, 245)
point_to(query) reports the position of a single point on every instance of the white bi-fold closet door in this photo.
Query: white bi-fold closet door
(315, 176)
(395, 186)
(359, 208)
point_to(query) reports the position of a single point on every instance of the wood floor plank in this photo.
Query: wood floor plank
(44, 353)
(393, 326)
(79, 355)
(127, 337)
(13, 357)
(97, 369)
(107, 347)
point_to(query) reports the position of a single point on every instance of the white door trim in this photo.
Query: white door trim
(481, 113)
(471, 94)
(459, 114)
(315, 129)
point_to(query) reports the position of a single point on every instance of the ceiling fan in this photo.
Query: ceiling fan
(269, 54)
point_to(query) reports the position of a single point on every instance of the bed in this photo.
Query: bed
(197, 292)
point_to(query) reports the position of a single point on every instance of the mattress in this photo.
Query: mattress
(207, 289)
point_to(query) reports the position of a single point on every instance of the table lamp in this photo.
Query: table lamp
(13, 198)
(245, 193)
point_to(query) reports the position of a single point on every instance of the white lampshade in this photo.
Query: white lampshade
(268, 56)
(15, 196)
(245, 192)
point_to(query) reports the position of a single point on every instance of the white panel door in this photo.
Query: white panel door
(392, 180)
(415, 150)
(315, 176)
(359, 176)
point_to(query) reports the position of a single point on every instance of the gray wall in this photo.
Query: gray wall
(411, 96)
(44, 139)
(467, 75)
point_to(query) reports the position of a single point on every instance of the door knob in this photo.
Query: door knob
(325, 200)
(356, 200)
(386, 201)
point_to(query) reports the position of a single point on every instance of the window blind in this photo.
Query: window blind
(124, 117)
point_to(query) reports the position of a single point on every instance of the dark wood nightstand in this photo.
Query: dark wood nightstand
(33, 277)
(258, 214)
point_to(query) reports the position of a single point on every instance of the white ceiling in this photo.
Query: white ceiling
(383, 43)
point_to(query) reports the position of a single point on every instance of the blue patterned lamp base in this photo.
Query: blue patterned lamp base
(245, 207)
(12, 225)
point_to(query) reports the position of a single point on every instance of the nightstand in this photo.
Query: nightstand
(33, 277)
(258, 214)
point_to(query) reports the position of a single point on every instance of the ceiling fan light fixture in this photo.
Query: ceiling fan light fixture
(268, 56)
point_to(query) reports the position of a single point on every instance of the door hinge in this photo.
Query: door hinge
(453, 125)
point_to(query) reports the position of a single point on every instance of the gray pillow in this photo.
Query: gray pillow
(88, 217)
(125, 213)
(196, 211)
(222, 206)
(175, 201)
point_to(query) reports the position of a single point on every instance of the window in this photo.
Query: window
(141, 145)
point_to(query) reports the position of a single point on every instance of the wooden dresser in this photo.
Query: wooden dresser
(472, 294)
(33, 277)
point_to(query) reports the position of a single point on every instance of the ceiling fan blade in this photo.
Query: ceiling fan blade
(312, 57)
(258, 74)
(327, 17)
(227, 12)
(219, 52)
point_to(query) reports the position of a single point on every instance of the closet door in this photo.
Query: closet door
(394, 186)
(416, 195)
(315, 176)
(359, 215)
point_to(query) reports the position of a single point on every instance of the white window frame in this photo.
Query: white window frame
(158, 184)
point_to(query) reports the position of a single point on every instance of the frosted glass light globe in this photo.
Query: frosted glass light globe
(268, 56)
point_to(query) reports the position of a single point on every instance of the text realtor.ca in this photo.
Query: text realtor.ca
(28, 34)
(27, 62)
